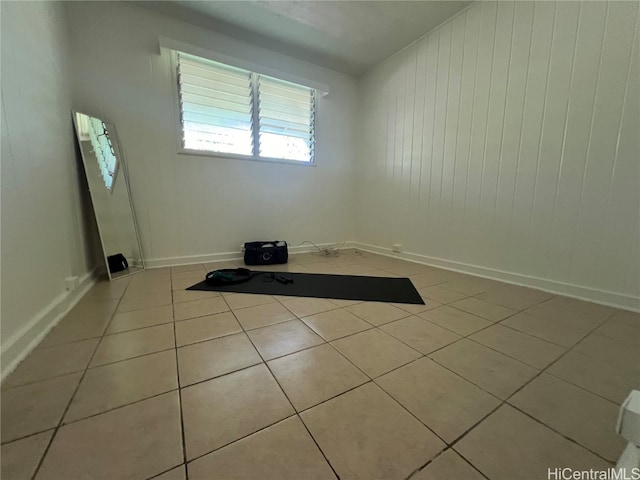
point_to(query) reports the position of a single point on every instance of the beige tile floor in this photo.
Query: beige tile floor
(143, 379)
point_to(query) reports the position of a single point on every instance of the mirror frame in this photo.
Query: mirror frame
(122, 172)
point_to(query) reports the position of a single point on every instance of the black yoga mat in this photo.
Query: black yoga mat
(343, 287)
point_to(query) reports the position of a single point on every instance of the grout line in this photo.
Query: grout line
(419, 469)
(182, 435)
(506, 401)
(372, 380)
(288, 399)
(169, 469)
(64, 413)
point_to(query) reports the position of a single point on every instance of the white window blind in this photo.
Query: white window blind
(286, 117)
(229, 110)
(216, 106)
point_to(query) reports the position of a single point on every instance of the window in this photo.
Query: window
(94, 131)
(224, 109)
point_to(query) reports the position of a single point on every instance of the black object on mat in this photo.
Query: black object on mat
(343, 287)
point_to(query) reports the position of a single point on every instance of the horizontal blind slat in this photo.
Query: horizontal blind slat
(285, 115)
(214, 121)
(215, 106)
(269, 113)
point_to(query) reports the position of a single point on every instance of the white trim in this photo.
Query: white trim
(225, 257)
(20, 344)
(603, 297)
(176, 45)
(236, 156)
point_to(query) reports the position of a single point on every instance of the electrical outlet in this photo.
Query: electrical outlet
(397, 247)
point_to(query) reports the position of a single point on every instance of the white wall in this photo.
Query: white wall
(190, 208)
(506, 143)
(43, 239)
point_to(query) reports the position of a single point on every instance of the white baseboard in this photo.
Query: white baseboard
(602, 297)
(21, 343)
(223, 257)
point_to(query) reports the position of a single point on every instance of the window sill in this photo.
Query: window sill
(235, 156)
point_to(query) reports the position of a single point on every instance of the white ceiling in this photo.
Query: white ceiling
(347, 36)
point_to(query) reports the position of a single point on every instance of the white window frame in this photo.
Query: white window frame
(234, 156)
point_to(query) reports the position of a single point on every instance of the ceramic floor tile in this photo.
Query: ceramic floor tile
(443, 401)
(81, 323)
(182, 281)
(180, 296)
(118, 384)
(262, 315)
(121, 346)
(76, 330)
(147, 317)
(87, 309)
(148, 293)
(514, 296)
(441, 295)
(199, 308)
(602, 378)
(365, 434)
(508, 445)
(48, 362)
(138, 302)
(486, 310)
(551, 331)
(303, 307)
(136, 441)
(377, 313)
(569, 318)
(24, 412)
(573, 412)
(177, 473)
(624, 316)
(490, 370)
(205, 360)
(283, 451)
(620, 331)
(283, 338)
(315, 375)
(106, 290)
(336, 324)
(521, 346)
(608, 350)
(20, 458)
(375, 352)
(455, 320)
(471, 285)
(573, 304)
(420, 334)
(430, 278)
(245, 300)
(339, 302)
(195, 267)
(206, 328)
(245, 402)
(414, 309)
(448, 466)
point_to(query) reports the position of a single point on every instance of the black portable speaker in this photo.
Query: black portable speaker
(117, 263)
(265, 253)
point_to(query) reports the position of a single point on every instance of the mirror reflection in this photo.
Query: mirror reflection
(108, 184)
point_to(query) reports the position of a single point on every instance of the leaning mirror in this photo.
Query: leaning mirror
(107, 177)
